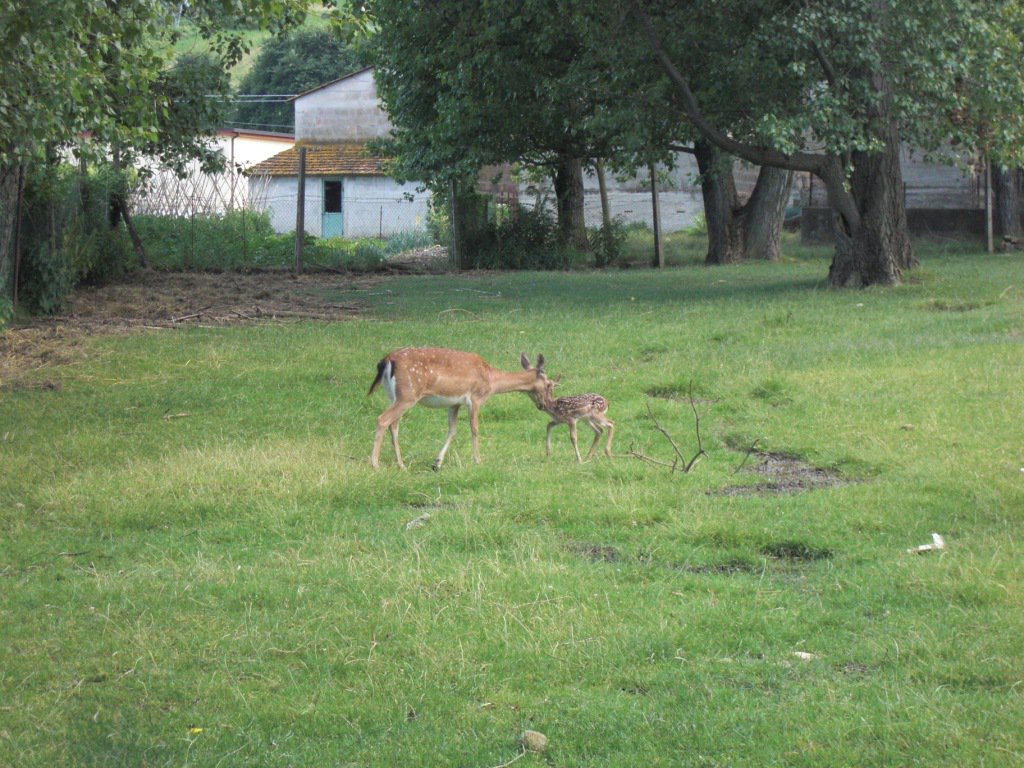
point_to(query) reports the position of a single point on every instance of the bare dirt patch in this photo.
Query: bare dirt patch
(785, 474)
(147, 299)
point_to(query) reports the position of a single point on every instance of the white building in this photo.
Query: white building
(347, 192)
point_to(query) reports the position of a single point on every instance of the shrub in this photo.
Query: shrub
(528, 240)
(67, 237)
(608, 243)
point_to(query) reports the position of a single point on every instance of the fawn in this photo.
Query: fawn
(590, 407)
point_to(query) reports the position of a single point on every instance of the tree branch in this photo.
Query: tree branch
(679, 463)
(797, 161)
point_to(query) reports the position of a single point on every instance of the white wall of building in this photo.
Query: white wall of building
(372, 206)
(347, 110)
(245, 150)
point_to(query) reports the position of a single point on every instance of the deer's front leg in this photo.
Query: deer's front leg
(453, 415)
(597, 436)
(547, 442)
(474, 429)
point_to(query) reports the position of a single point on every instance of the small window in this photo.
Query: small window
(332, 196)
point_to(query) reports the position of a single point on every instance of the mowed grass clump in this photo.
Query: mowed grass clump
(200, 567)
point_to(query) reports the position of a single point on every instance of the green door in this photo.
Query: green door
(332, 223)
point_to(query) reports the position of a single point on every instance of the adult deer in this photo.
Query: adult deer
(445, 378)
(590, 408)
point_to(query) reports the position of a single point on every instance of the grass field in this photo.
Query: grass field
(199, 567)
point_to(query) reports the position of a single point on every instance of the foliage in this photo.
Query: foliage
(699, 225)
(66, 235)
(105, 71)
(241, 240)
(608, 242)
(203, 569)
(452, 79)
(529, 239)
(290, 64)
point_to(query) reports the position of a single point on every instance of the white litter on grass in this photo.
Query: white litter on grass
(804, 655)
(937, 543)
(418, 522)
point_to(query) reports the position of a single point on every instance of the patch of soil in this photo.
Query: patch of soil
(785, 474)
(595, 553)
(148, 299)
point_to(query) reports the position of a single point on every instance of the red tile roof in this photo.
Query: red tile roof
(342, 159)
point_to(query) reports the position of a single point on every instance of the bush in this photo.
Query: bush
(608, 243)
(212, 241)
(67, 237)
(528, 240)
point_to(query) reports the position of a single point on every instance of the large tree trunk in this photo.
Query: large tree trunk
(10, 194)
(765, 212)
(569, 195)
(1006, 186)
(735, 232)
(718, 189)
(869, 214)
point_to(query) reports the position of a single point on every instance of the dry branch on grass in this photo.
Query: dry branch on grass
(680, 463)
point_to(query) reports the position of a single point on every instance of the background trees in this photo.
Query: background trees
(833, 88)
(97, 77)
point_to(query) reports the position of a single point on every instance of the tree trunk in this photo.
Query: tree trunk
(873, 247)
(10, 194)
(1006, 185)
(765, 212)
(735, 232)
(869, 214)
(606, 211)
(569, 195)
(468, 222)
(718, 188)
(137, 246)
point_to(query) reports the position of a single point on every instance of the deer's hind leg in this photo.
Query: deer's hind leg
(388, 421)
(575, 445)
(598, 431)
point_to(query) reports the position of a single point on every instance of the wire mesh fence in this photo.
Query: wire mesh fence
(231, 220)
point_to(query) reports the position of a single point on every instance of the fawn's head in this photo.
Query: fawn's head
(547, 397)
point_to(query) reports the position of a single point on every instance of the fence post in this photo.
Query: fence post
(300, 213)
(989, 239)
(453, 225)
(659, 249)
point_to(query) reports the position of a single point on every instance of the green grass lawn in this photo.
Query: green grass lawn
(199, 567)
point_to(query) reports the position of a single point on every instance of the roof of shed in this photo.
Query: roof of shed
(341, 159)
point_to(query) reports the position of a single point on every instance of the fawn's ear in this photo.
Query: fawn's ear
(524, 361)
(540, 363)
(554, 381)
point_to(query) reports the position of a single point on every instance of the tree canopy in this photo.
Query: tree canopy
(834, 88)
(78, 67)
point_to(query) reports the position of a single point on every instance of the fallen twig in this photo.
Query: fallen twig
(680, 463)
(200, 313)
(750, 452)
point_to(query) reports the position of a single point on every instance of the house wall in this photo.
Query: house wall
(372, 206)
(378, 206)
(245, 150)
(347, 110)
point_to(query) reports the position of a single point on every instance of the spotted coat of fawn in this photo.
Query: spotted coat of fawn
(590, 408)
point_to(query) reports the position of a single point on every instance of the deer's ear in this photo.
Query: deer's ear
(524, 361)
(555, 380)
(540, 363)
